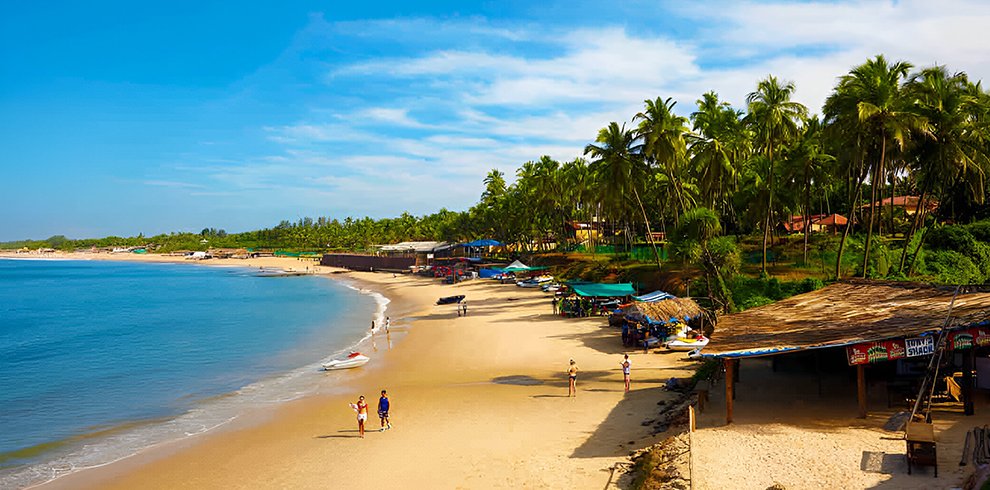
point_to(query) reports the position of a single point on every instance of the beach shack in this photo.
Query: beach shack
(656, 315)
(424, 253)
(871, 324)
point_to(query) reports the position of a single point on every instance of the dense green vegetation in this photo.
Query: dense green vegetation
(720, 182)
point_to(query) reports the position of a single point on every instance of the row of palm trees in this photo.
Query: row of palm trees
(883, 130)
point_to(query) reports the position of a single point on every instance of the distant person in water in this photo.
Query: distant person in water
(572, 373)
(372, 326)
(383, 406)
(625, 371)
(361, 407)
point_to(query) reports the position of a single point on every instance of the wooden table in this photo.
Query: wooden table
(920, 437)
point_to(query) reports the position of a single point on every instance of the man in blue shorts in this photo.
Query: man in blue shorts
(383, 406)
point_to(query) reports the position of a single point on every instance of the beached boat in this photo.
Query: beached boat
(446, 300)
(686, 344)
(355, 359)
(534, 282)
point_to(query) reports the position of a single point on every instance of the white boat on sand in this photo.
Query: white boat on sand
(355, 359)
(686, 344)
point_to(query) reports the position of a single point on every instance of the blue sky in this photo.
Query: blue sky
(123, 118)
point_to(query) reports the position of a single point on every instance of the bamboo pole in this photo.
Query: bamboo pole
(730, 369)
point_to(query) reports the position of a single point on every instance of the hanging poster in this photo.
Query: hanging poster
(981, 336)
(868, 352)
(961, 339)
(920, 346)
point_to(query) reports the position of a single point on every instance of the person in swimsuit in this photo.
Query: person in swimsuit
(572, 379)
(383, 406)
(362, 414)
(625, 371)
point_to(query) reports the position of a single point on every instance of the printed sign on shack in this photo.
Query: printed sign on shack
(920, 346)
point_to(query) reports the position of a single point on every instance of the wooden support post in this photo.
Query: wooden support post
(861, 389)
(730, 370)
(736, 372)
(818, 371)
(967, 380)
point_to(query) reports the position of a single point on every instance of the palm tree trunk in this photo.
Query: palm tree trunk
(854, 196)
(807, 212)
(766, 229)
(649, 233)
(914, 228)
(873, 202)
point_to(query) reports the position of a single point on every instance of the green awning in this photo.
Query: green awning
(523, 269)
(602, 290)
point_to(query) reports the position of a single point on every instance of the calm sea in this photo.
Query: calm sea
(101, 359)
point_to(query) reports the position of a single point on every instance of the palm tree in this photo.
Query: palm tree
(805, 167)
(957, 151)
(716, 151)
(697, 239)
(619, 169)
(876, 88)
(774, 119)
(664, 141)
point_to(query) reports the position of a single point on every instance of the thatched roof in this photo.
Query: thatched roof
(844, 313)
(663, 311)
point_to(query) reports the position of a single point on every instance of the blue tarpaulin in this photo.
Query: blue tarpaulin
(484, 242)
(489, 272)
(654, 297)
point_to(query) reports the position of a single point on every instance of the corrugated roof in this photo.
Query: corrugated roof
(415, 247)
(844, 313)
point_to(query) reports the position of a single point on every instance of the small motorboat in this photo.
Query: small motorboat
(355, 359)
(688, 344)
(446, 300)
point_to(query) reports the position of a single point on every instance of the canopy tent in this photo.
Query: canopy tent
(654, 297)
(602, 290)
(484, 242)
(664, 311)
(517, 266)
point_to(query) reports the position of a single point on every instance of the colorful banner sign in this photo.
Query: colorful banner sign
(885, 350)
(920, 346)
(889, 350)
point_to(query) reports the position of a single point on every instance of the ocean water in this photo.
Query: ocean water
(101, 359)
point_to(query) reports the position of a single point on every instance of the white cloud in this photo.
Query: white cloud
(453, 110)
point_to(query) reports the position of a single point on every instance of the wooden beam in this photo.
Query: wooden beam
(730, 369)
(967, 380)
(861, 389)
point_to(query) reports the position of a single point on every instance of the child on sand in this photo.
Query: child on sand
(572, 379)
(625, 371)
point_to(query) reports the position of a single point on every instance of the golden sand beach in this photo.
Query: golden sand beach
(477, 402)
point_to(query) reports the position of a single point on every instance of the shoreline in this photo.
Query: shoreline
(478, 401)
(238, 408)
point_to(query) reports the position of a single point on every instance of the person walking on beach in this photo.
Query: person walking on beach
(553, 301)
(626, 363)
(388, 323)
(572, 379)
(383, 406)
(464, 307)
(372, 327)
(361, 407)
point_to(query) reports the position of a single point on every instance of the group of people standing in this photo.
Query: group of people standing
(361, 407)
